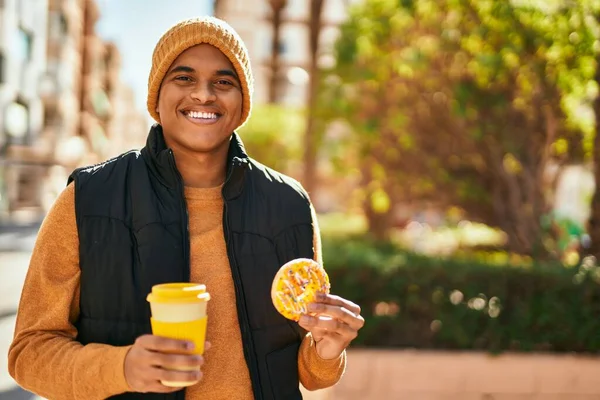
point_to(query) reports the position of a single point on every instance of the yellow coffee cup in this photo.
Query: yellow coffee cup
(179, 312)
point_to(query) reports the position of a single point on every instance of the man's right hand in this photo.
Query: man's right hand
(147, 359)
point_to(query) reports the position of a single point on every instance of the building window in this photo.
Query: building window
(51, 115)
(28, 187)
(282, 47)
(16, 122)
(23, 46)
(58, 25)
(64, 25)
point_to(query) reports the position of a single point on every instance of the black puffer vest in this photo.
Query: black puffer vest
(133, 234)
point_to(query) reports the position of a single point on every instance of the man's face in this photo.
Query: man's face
(200, 101)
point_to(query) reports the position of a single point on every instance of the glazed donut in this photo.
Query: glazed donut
(295, 286)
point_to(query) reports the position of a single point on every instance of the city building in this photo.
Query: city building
(253, 20)
(126, 128)
(110, 123)
(61, 92)
(62, 104)
(23, 31)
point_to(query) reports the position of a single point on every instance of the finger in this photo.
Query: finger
(163, 344)
(332, 325)
(305, 323)
(175, 361)
(319, 333)
(178, 376)
(157, 387)
(151, 384)
(341, 313)
(308, 324)
(338, 301)
(207, 345)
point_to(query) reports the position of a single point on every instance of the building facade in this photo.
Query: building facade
(253, 21)
(22, 64)
(61, 101)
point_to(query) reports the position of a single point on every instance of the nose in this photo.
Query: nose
(203, 92)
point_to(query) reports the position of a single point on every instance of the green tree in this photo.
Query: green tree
(463, 102)
(594, 222)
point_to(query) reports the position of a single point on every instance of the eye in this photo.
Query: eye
(183, 78)
(224, 82)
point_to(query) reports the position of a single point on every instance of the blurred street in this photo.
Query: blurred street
(16, 243)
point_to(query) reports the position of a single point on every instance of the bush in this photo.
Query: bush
(415, 301)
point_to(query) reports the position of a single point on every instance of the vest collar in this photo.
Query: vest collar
(159, 159)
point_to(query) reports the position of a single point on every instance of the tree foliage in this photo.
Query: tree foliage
(465, 102)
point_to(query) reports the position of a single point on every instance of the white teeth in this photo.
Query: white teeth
(202, 115)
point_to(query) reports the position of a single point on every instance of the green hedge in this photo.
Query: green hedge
(419, 302)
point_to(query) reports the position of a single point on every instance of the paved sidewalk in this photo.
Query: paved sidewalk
(16, 243)
(13, 268)
(18, 238)
(437, 375)
(9, 390)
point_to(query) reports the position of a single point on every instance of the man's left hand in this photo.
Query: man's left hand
(334, 322)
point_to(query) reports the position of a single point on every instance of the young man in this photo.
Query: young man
(190, 206)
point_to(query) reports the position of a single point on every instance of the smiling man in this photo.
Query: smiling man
(190, 206)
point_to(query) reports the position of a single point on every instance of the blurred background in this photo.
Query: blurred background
(450, 148)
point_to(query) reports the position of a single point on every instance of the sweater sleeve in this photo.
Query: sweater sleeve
(45, 357)
(315, 372)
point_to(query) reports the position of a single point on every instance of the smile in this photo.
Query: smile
(201, 118)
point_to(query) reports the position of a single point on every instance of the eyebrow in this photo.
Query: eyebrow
(182, 68)
(227, 72)
(221, 72)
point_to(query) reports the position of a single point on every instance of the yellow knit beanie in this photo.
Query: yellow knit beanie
(192, 32)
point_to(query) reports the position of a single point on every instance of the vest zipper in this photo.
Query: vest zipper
(186, 222)
(247, 342)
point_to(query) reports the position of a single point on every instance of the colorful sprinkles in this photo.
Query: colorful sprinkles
(295, 286)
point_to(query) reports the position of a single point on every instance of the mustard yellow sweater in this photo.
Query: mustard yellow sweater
(46, 359)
